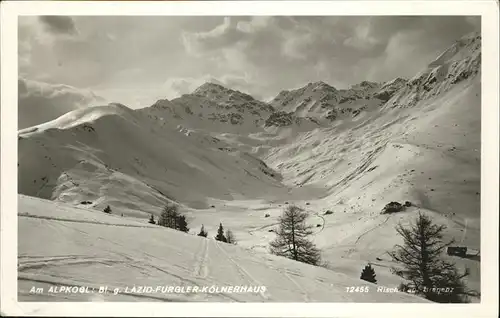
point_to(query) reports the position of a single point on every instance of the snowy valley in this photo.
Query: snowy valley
(225, 157)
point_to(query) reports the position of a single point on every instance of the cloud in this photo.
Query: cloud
(222, 35)
(135, 59)
(255, 24)
(362, 39)
(39, 102)
(59, 24)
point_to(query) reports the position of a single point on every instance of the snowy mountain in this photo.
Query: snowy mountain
(214, 107)
(39, 102)
(226, 157)
(456, 64)
(322, 101)
(114, 155)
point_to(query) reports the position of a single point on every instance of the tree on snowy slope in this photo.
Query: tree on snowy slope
(203, 232)
(152, 219)
(182, 223)
(292, 237)
(368, 274)
(170, 217)
(220, 234)
(422, 266)
(230, 238)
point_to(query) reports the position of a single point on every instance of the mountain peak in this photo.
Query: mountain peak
(321, 85)
(209, 86)
(365, 84)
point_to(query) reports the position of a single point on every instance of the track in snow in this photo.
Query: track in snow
(201, 268)
(244, 273)
(373, 228)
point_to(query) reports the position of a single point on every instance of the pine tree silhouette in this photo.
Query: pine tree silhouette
(152, 219)
(202, 231)
(182, 223)
(368, 274)
(220, 234)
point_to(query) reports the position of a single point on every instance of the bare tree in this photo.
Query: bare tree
(422, 266)
(292, 237)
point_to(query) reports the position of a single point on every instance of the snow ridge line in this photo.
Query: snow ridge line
(65, 261)
(82, 221)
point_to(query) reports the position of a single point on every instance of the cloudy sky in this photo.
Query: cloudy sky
(137, 60)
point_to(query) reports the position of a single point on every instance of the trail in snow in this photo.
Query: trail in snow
(373, 228)
(179, 273)
(244, 272)
(299, 286)
(261, 228)
(201, 268)
(324, 222)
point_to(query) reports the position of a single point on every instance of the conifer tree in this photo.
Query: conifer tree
(152, 219)
(220, 234)
(368, 274)
(422, 266)
(182, 223)
(170, 217)
(292, 237)
(202, 231)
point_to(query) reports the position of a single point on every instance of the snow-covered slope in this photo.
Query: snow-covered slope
(113, 155)
(456, 64)
(92, 249)
(427, 153)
